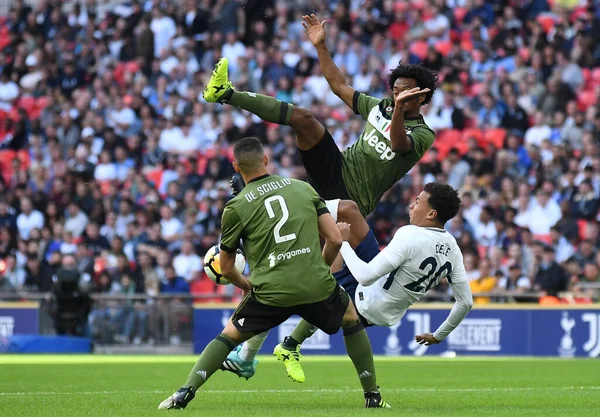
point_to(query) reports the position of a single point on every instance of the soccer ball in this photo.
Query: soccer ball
(212, 266)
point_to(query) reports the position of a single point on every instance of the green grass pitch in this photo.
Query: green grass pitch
(132, 386)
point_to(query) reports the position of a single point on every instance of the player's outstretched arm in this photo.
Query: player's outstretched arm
(463, 304)
(316, 33)
(230, 272)
(332, 235)
(386, 261)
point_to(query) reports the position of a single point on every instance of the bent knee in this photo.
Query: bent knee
(301, 116)
(350, 317)
(347, 209)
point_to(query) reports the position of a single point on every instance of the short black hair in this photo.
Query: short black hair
(444, 199)
(247, 151)
(424, 77)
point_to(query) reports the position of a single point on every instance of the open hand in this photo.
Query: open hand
(314, 29)
(345, 229)
(426, 339)
(408, 95)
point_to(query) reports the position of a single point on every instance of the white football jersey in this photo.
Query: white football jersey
(421, 257)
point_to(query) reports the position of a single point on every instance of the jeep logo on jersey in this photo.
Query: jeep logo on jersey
(273, 259)
(380, 146)
(383, 126)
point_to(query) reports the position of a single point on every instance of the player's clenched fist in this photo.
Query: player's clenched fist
(345, 229)
(314, 29)
(426, 339)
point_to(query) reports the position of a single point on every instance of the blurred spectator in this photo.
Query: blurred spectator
(13, 274)
(76, 220)
(29, 218)
(187, 264)
(550, 277)
(485, 281)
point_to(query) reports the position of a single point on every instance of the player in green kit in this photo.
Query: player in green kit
(393, 141)
(289, 275)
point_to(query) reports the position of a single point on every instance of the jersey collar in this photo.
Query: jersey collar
(436, 229)
(262, 177)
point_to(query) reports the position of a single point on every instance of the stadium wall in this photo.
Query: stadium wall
(503, 330)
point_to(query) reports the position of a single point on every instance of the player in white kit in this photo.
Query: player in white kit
(418, 258)
(385, 284)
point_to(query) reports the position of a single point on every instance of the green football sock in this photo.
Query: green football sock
(210, 360)
(359, 349)
(267, 108)
(301, 332)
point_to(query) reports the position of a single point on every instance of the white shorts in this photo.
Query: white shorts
(332, 206)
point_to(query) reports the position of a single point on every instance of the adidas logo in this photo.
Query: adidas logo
(232, 366)
(365, 374)
(202, 374)
(241, 321)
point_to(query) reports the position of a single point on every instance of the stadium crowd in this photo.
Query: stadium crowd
(111, 159)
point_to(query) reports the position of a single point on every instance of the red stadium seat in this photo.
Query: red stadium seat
(587, 75)
(28, 104)
(25, 158)
(495, 137)
(472, 133)
(6, 158)
(586, 99)
(467, 45)
(450, 136)
(476, 89)
(419, 48)
(596, 75)
(42, 102)
(205, 286)
(155, 177)
(459, 13)
(201, 166)
(549, 300)
(582, 229)
(547, 21)
(443, 148)
(443, 47)
(543, 238)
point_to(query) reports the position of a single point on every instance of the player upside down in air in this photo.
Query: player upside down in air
(393, 141)
(418, 257)
(280, 286)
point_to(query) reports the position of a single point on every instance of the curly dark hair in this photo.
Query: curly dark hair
(424, 77)
(444, 199)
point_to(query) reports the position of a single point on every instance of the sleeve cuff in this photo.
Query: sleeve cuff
(321, 211)
(227, 249)
(355, 102)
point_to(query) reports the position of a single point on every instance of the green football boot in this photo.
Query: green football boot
(219, 89)
(291, 360)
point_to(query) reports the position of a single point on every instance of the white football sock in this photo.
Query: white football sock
(251, 347)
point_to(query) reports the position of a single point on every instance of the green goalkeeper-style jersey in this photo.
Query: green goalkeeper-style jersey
(277, 218)
(369, 167)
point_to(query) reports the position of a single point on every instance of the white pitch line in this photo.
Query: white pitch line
(299, 391)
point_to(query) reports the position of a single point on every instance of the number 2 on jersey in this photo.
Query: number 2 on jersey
(430, 262)
(285, 215)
